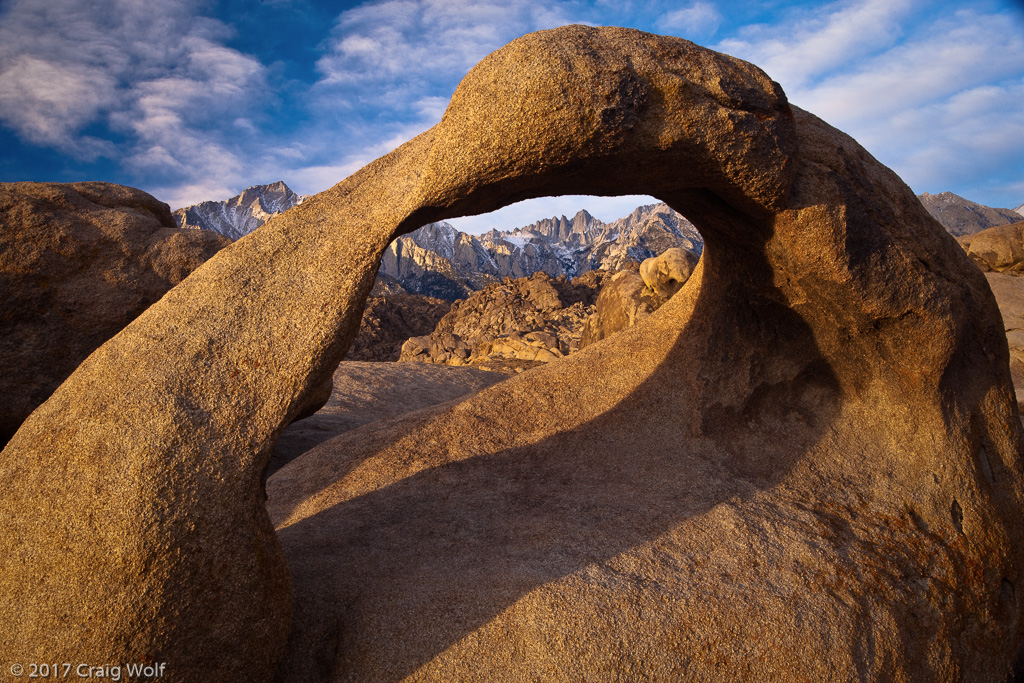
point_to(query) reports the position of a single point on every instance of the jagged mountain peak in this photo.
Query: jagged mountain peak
(241, 214)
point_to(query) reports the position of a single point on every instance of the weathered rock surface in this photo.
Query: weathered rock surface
(533, 319)
(624, 301)
(806, 465)
(962, 216)
(1009, 292)
(999, 249)
(666, 273)
(78, 262)
(368, 392)
(390, 320)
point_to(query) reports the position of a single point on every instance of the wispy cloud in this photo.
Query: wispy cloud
(698, 20)
(404, 43)
(810, 43)
(936, 96)
(151, 79)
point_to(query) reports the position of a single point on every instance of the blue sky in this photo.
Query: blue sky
(196, 99)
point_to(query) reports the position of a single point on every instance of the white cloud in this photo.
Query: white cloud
(402, 42)
(951, 57)
(818, 43)
(940, 105)
(700, 18)
(155, 74)
(49, 102)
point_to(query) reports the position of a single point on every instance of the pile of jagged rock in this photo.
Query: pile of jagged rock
(539, 319)
(391, 316)
(530, 319)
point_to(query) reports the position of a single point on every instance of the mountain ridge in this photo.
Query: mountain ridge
(961, 216)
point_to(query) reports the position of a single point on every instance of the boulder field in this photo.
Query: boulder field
(805, 466)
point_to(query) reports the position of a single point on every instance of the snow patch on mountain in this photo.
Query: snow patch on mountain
(243, 213)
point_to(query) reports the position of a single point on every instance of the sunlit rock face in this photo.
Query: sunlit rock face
(806, 465)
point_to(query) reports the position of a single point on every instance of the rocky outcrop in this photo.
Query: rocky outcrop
(78, 262)
(962, 216)
(369, 392)
(624, 301)
(630, 296)
(389, 321)
(534, 319)
(240, 215)
(807, 464)
(999, 249)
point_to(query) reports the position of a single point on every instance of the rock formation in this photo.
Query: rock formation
(962, 216)
(624, 301)
(999, 249)
(666, 273)
(78, 262)
(389, 320)
(630, 296)
(806, 465)
(536, 318)
(1009, 292)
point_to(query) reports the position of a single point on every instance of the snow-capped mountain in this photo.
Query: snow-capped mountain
(243, 213)
(441, 261)
(1020, 209)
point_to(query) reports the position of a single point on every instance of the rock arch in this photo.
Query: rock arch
(834, 377)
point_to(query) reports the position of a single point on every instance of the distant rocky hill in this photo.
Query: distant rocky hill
(962, 216)
(243, 213)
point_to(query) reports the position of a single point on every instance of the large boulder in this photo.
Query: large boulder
(78, 262)
(806, 465)
(624, 301)
(999, 249)
(666, 273)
